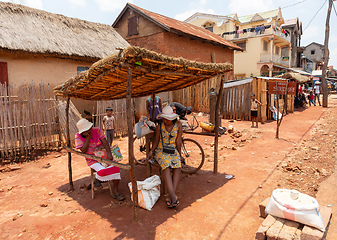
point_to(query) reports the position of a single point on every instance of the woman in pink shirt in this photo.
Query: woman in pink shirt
(91, 140)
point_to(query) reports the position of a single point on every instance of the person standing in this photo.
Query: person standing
(317, 89)
(311, 99)
(254, 104)
(153, 107)
(109, 125)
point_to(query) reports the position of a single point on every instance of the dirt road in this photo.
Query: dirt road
(34, 203)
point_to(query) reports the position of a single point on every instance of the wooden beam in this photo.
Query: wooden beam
(71, 184)
(130, 139)
(98, 159)
(216, 130)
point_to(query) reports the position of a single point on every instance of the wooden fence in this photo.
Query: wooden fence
(27, 121)
(119, 112)
(236, 100)
(197, 96)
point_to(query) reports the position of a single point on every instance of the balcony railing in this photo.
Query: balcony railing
(266, 57)
(255, 34)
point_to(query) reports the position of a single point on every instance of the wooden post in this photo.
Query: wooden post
(71, 184)
(326, 56)
(130, 138)
(216, 138)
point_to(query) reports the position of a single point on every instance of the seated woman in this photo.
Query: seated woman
(167, 150)
(91, 140)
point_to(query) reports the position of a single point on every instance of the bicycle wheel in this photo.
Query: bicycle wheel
(194, 156)
(139, 147)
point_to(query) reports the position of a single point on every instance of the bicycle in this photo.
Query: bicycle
(191, 150)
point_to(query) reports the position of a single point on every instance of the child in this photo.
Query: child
(109, 125)
(311, 99)
(254, 104)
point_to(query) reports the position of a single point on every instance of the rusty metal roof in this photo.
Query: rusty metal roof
(179, 27)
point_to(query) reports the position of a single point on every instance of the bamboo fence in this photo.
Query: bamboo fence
(119, 112)
(27, 121)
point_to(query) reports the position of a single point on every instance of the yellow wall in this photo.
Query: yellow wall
(25, 68)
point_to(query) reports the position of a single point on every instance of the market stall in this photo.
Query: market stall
(137, 72)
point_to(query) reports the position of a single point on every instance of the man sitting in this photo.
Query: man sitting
(181, 110)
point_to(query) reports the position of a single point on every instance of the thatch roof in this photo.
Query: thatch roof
(35, 31)
(151, 73)
(295, 76)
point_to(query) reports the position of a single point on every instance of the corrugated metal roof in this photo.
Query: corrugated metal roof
(183, 27)
(264, 15)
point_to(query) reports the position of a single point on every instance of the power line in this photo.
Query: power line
(294, 4)
(334, 8)
(315, 15)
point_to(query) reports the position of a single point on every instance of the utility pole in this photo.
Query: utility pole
(326, 56)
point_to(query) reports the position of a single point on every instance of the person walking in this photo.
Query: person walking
(317, 89)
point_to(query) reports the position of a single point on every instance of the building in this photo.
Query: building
(315, 53)
(41, 46)
(269, 48)
(174, 38)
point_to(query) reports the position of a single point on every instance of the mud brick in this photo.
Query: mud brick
(265, 225)
(311, 233)
(263, 206)
(288, 230)
(297, 235)
(274, 230)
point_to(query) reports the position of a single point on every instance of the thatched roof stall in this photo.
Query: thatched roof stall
(151, 73)
(137, 72)
(295, 76)
(36, 31)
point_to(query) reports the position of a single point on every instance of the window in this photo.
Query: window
(81, 69)
(277, 50)
(242, 45)
(265, 45)
(312, 52)
(3, 73)
(209, 28)
(133, 26)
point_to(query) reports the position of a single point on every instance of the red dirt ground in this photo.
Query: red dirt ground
(34, 203)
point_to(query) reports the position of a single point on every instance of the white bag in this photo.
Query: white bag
(142, 128)
(148, 191)
(295, 206)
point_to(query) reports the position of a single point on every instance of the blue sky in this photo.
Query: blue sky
(106, 11)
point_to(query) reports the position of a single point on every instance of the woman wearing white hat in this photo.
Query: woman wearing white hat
(91, 140)
(167, 150)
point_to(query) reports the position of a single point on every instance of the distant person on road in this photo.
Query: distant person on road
(181, 110)
(254, 104)
(311, 99)
(153, 107)
(317, 89)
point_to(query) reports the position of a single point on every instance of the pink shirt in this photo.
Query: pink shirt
(95, 142)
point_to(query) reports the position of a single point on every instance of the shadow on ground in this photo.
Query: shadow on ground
(120, 214)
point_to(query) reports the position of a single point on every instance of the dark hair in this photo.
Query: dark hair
(253, 94)
(174, 121)
(108, 109)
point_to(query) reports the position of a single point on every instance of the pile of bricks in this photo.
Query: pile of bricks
(274, 228)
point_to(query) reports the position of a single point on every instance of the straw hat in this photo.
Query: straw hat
(168, 113)
(318, 82)
(83, 125)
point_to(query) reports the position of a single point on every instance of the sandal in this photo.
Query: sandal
(119, 197)
(168, 203)
(175, 204)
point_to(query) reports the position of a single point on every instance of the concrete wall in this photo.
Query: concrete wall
(319, 53)
(25, 68)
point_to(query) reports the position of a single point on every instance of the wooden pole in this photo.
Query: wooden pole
(216, 138)
(130, 138)
(71, 184)
(326, 56)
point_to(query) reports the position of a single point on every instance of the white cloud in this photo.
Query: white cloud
(29, 3)
(111, 5)
(80, 3)
(202, 2)
(245, 7)
(183, 16)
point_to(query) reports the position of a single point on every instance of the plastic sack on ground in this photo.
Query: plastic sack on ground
(143, 127)
(276, 113)
(148, 191)
(295, 206)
